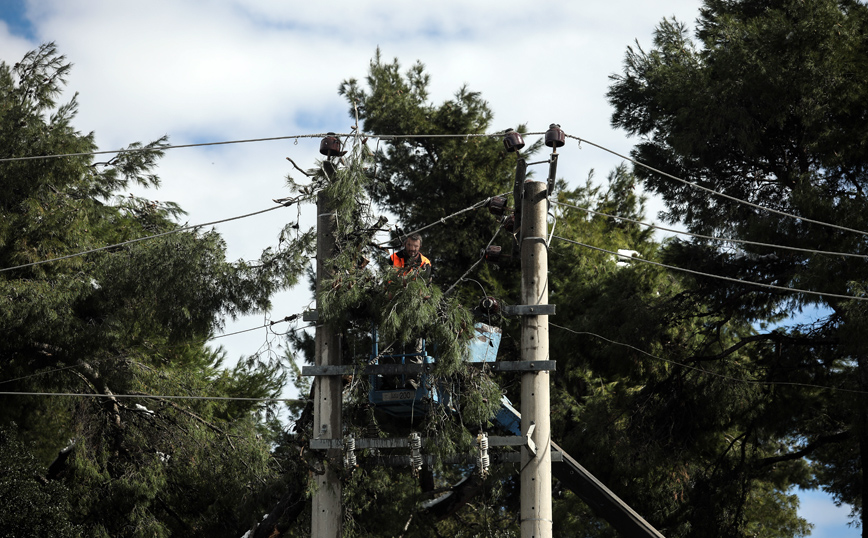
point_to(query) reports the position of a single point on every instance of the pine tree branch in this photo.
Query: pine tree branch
(808, 449)
(195, 417)
(772, 336)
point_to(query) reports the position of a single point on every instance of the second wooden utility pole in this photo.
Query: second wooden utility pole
(536, 462)
(327, 510)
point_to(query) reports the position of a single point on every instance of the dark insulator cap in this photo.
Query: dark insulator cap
(497, 205)
(492, 253)
(489, 305)
(330, 146)
(512, 141)
(509, 223)
(555, 136)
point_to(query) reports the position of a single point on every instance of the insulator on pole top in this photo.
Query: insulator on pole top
(497, 205)
(330, 146)
(555, 136)
(512, 141)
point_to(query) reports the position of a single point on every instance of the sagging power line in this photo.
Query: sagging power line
(709, 372)
(149, 237)
(708, 237)
(720, 277)
(388, 137)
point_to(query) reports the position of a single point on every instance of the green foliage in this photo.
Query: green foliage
(423, 179)
(30, 504)
(127, 320)
(762, 106)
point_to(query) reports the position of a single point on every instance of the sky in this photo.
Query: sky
(224, 70)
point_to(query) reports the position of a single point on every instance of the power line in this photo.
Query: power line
(442, 220)
(724, 376)
(708, 372)
(177, 230)
(159, 148)
(722, 195)
(61, 369)
(266, 326)
(710, 275)
(472, 267)
(152, 396)
(64, 368)
(251, 140)
(386, 137)
(700, 236)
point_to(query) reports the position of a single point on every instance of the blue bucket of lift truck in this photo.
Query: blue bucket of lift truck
(485, 343)
(399, 397)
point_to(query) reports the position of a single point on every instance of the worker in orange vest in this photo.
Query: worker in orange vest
(409, 257)
(406, 260)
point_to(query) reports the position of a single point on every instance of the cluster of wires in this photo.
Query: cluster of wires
(356, 134)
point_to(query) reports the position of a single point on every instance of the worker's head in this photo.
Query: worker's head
(412, 245)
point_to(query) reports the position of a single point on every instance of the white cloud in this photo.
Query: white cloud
(225, 70)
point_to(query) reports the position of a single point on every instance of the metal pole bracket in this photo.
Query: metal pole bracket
(529, 310)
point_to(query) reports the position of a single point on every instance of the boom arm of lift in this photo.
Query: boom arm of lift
(580, 481)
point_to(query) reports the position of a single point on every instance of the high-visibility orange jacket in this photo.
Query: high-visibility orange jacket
(399, 259)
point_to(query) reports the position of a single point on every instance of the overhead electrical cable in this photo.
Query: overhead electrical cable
(720, 277)
(708, 372)
(152, 396)
(266, 326)
(472, 267)
(251, 140)
(716, 193)
(54, 370)
(712, 238)
(442, 220)
(386, 137)
(158, 148)
(64, 368)
(145, 238)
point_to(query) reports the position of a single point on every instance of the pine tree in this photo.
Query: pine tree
(132, 319)
(767, 105)
(658, 433)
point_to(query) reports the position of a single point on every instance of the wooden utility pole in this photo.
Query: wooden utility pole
(536, 463)
(327, 510)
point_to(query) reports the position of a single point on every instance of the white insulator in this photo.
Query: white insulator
(482, 441)
(416, 452)
(483, 461)
(350, 456)
(415, 441)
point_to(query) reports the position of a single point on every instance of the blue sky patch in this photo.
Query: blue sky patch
(13, 13)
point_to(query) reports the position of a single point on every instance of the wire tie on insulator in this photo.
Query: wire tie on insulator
(296, 142)
(415, 453)
(483, 461)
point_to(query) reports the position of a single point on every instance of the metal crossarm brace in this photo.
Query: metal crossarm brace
(397, 369)
(529, 310)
